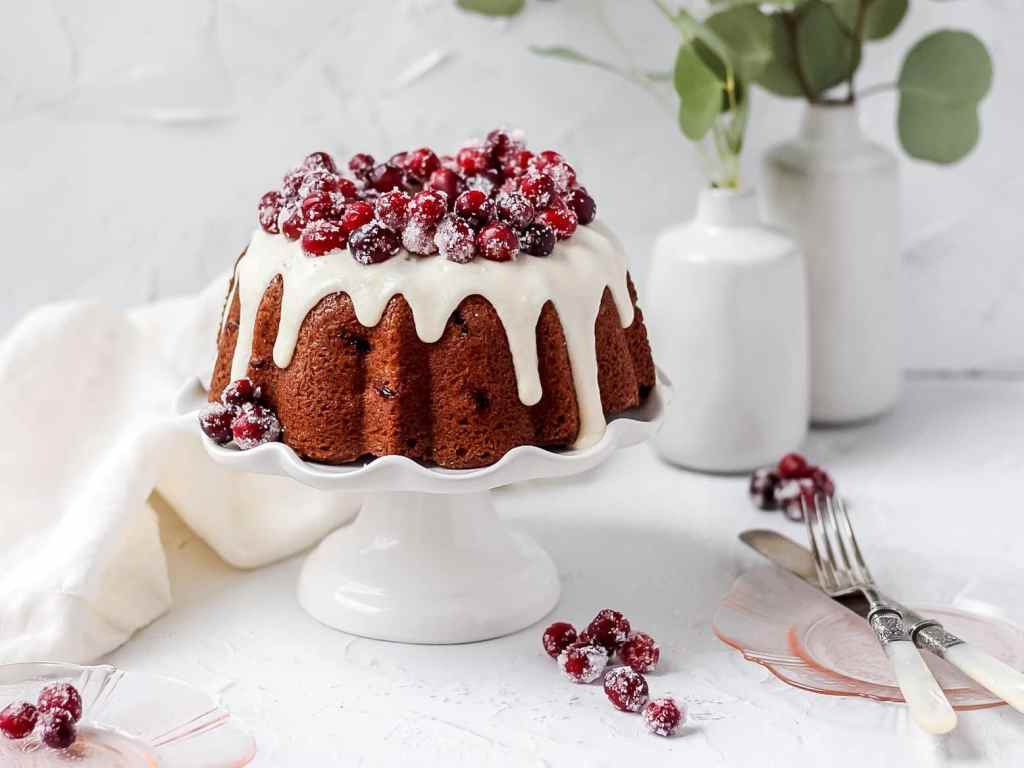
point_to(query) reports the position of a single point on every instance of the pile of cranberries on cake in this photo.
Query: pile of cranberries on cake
(240, 416)
(52, 717)
(493, 199)
(789, 485)
(584, 658)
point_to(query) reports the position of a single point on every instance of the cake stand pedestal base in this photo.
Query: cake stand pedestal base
(428, 568)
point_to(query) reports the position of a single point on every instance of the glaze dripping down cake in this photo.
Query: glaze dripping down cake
(444, 309)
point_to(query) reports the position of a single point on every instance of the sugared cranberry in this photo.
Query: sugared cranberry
(356, 215)
(57, 729)
(322, 205)
(391, 209)
(319, 181)
(537, 188)
(558, 637)
(514, 209)
(361, 164)
(822, 482)
(582, 204)
(61, 696)
(456, 240)
(319, 161)
(18, 720)
(427, 208)
(609, 629)
(215, 421)
(793, 465)
(793, 495)
(517, 163)
(543, 160)
(764, 483)
(582, 663)
(474, 206)
(640, 653)
(322, 236)
(373, 243)
(347, 188)
(421, 163)
(419, 239)
(625, 689)
(385, 177)
(487, 181)
(563, 174)
(497, 143)
(292, 222)
(240, 392)
(447, 181)
(472, 160)
(537, 239)
(292, 181)
(255, 425)
(663, 717)
(269, 210)
(497, 242)
(562, 220)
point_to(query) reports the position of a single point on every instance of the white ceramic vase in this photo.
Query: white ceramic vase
(726, 308)
(839, 196)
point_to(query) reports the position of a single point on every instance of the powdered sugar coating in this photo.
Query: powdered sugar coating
(625, 689)
(255, 425)
(456, 240)
(640, 652)
(582, 663)
(419, 239)
(664, 717)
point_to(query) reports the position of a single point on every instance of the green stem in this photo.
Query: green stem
(858, 40)
(873, 90)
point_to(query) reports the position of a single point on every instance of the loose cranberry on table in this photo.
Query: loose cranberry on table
(215, 421)
(558, 637)
(497, 242)
(582, 204)
(63, 697)
(764, 485)
(427, 208)
(255, 425)
(537, 240)
(473, 206)
(57, 729)
(240, 392)
(356, 215)
(562, 220)
(582, 663)
(626, 689)
(456, 240)
(663, 717)
(391, 209)
(373, 243)
(792, 466)
(640, 653)
(794, 495)
(323, 236)
(789, 486)
(18, 720)
(609, 629)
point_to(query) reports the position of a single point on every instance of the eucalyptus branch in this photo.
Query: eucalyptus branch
(789, 18)
(858, 40)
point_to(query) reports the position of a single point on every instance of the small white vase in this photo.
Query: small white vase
(726, 307)
(839, 196)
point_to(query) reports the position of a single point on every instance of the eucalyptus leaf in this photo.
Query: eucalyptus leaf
(700, 93)
(748, 34)
(947, 67)
(691, 29)
(779, 75)
(826, 51)
(881, 17)
(940, 133)
(492, 7)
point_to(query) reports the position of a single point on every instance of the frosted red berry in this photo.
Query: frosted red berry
(427, 208)
(447, 181)
(582, 204)
(419, 239)
(537, 188)
(582, 663)
(421, 163)
(61, 696)
(269, 211)
(391, 209)
(474, 206)
(319, 161)
(545, 159)
(517, 163)
(640, 653)
(514, 209)
(322, 205)
(356, 215)
(292, 222)
(255, 425)
(456, 240)
(472, 160)
(537, 240)
(215, 421)
(385, 177)
(822, 481)
(563, 174)
(373, 243)
(292, 181)
(764, 484)
(626, 689)
(240, 392)
(497, 143)
(497, 242)
(793, 495)
(561, 220)
(609, 629)
(558, 637)
(57, 729)
(323, 236)
(663, 717)
(361, 164)
(793, 465)
(319, 181)
(18, 720)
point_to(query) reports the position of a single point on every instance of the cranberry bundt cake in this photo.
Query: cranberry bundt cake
(447, 309)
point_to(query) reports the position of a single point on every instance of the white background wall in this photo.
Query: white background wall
(106, 192)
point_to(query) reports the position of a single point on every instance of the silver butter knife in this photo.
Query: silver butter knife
(928, 635)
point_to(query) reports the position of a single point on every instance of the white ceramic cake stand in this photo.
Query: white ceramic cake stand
(427, 560)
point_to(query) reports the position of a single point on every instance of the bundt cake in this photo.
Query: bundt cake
(345, 336)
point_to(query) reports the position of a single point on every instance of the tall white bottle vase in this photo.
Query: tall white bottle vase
(726, 307)
(838, 194)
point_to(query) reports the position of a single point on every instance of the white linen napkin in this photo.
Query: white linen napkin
(89, 433)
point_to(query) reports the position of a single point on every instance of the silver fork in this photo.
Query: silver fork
(842, 571)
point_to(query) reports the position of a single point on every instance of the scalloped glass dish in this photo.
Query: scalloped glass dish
(809, 641)
(129, 720)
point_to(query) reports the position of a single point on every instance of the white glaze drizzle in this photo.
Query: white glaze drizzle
(573, 278)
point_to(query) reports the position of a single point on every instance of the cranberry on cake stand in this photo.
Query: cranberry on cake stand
(427, 559)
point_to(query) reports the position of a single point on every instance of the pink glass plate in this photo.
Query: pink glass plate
(809, 641)
(129, 720)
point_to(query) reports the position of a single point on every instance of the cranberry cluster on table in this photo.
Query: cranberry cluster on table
(583, 658)
(789, 485)
(54, 715)
(493, 199)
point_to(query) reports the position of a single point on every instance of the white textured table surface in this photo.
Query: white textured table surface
(940, 479)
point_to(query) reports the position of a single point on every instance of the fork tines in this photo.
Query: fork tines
(837, 556)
